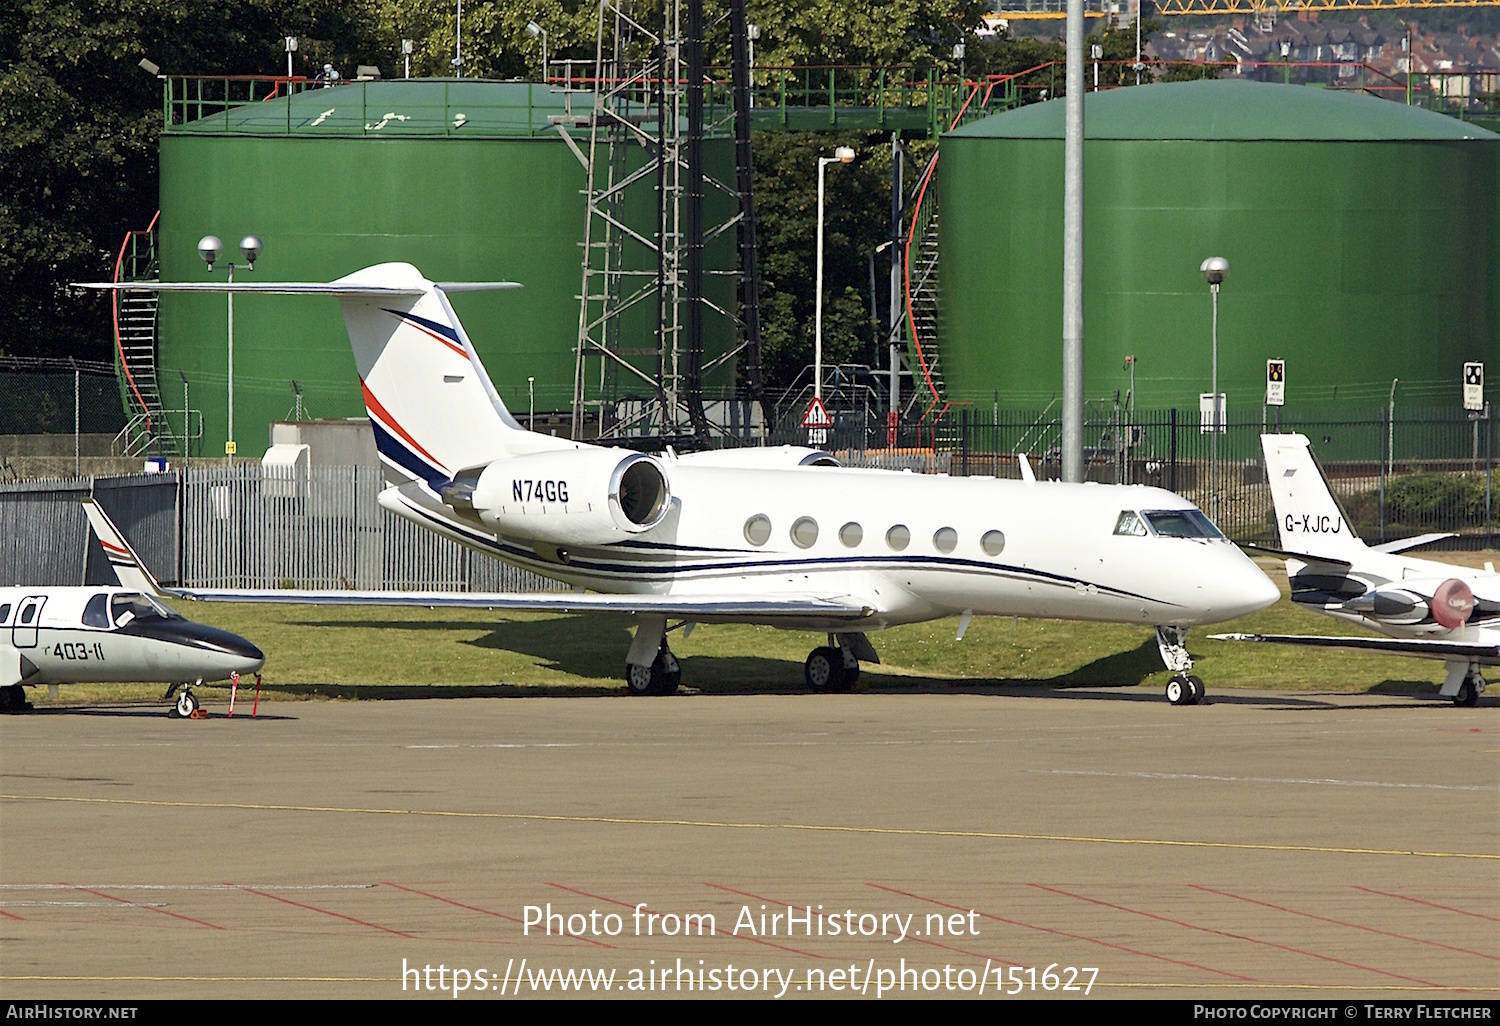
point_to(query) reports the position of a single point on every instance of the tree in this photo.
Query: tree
(78, 131)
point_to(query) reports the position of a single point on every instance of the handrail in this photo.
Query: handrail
(114, 297)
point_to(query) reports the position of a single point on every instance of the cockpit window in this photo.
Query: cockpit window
(1129, 523)
(96, 613)
(132, 606)
(1182, 523)
(4, 612)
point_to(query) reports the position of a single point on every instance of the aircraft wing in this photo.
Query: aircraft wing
(1428, 648)
(699, 608)
(1404, 544)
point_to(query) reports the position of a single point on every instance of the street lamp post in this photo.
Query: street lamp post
(534, 30)
(531, 404)
(1214, 270)
(842, 155)
(458, 42)
(406, 49)
(291, 48)
(209, 248)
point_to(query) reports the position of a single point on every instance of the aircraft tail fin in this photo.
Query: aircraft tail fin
(1308, 516)
(433, 407)
(129, 569)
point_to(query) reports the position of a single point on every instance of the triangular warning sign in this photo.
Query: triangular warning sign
(816, 415)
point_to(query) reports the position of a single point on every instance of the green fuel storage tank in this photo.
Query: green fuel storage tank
(1361, 237)
(467, 180)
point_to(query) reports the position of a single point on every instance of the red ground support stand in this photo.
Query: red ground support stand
(255, 709)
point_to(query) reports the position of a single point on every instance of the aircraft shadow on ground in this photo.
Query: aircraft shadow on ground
(593, 647)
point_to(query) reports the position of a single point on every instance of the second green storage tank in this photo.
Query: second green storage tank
(1360, 234)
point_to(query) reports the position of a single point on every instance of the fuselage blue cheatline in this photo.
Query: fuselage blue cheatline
(774, 535)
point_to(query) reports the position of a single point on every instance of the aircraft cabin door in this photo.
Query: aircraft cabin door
(23, 635)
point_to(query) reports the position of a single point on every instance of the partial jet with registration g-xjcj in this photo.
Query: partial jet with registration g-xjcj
(779, 536)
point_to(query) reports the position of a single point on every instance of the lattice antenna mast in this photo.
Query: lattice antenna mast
(646, 103)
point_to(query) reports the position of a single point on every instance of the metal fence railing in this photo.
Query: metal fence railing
(241, 527)
(1398, 473)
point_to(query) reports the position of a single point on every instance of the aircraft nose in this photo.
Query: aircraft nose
(1250, 590)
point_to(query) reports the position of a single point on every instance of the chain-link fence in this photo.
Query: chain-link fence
(41, 396)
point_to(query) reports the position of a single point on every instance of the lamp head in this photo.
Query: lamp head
(291, 44)
(148, 67)
(250, 247)
(533, 29)
(844, 154)
(753, 31)
(1214, 270)
(406, 46)
(209, 248)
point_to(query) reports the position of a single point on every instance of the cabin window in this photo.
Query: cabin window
(851, 534)
(758, 529)
(1130, 523)
(804, 532)
(993, 543)
(1182, 523)
(898, 537)
(96, 613)
(945, 539)
(5, 612)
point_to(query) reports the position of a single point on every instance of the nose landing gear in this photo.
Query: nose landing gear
(187, 702)
(1183, 688)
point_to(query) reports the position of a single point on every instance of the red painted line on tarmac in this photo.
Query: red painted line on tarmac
(326, 912)
(911, 937)
(1340, 922)
(11, 915)
(485, 911)
(148, 908)
(1429, 904)
(1070, 936)
(1236, 936)
(622, 904)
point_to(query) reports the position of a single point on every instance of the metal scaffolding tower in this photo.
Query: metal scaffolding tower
(644, 232)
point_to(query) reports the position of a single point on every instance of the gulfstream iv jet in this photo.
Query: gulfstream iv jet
(769, 536)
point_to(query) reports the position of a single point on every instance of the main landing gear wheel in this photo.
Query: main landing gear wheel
(1468, 692)
(829, 669)
(1198, 689)
(187, 704)
(662, 677)
(1184, 690)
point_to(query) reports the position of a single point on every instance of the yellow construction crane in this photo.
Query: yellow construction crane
(1172, 8)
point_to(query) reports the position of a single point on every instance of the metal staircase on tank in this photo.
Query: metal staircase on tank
(924, 294)
(146, 428)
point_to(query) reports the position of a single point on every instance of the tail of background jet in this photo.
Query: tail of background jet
(433, 407)
(1308, 517)
(129, 569)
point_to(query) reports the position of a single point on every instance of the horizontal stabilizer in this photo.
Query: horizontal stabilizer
(1404, 544)
(1432, 649)
(700, 608)
(295, 288)
(1306, 557)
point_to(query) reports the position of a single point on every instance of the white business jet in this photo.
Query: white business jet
(1429, 609)
(770, 536)
(107, 635)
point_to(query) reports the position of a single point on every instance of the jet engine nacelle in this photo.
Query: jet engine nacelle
(571, 497)
(1448, 603)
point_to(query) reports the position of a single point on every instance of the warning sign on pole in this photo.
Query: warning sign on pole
(817, 421)
(1473, 386)
(1275, 382)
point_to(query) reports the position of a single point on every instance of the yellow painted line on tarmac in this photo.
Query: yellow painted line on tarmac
(537, 817)
(197, 979)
